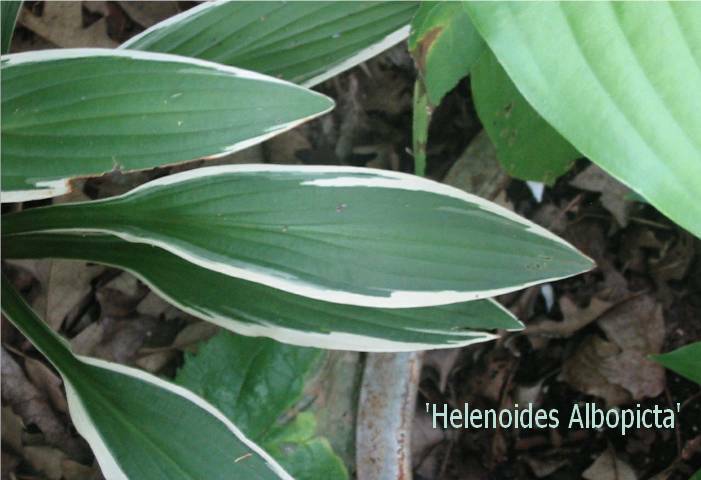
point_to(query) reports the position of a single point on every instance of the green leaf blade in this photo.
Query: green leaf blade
(74, 112)
(9, 13)
(686, 361)
(444, 45)
(140, 426)
(622, 93)
(302, 42)
(261, 394)
(527, 146)
(252, 309)
(304, 229)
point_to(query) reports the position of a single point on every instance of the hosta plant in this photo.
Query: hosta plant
(331, 257)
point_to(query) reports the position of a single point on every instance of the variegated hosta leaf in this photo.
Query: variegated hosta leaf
(303, 42)
(340, 234)
(79, 112)
(138, 425)
(252, 309)
(264, 397)
(619, 80)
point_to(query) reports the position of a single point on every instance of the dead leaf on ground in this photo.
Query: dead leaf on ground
(120, 296)
(68, 287)
(589, 368)
(574, 318)
(633, 371)
(545, 466)
(443, 362)
(490, 381)
(635, 329)
(85, 342)
(637, 324)
(147, 14)
(32, 406)
(77, 471)
(674, 260)
(613, 193)
(154, 306)
(478, 170)
(46, 381)
(61, 23)
(123, 338)
(12, 428)
(46, 460)
(609, 467)
(193, 334)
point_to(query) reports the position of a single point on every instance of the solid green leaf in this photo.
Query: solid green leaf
(304, 454)
(80, 112)
(253, 309)
(685, 361)
(303, 42)
(444, 45)
(340, 234)
(421, 119)
(619, 80)
(9, 9)
(527, 146)
(138, 425)
(258, 383)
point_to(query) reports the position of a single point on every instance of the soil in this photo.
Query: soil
(587, 339)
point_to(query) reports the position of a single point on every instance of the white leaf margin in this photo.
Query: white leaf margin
(55, 187)
(345, 178)
(333, 340)
(109, 465)
(361, 56)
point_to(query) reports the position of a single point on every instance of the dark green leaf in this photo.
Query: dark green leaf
(79, 112)
(253, 309)
(303, 42)
(340, 234)
(9, 9)
(138, 425)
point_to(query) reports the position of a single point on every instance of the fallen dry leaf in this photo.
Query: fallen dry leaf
(633, 371)
(152, 305)
(442, 361)
(574, 318)
(61, 23)
(609, 467)
(613, 193)
(589, 368)
(192, 334)
(147, 14)
(90, 337)
(32, 406)
(635, 329)
(12, 428)
(478, 170)
(45, 380)
(637, 324)
(68, 286)
(46, 460)
(544, 467)
(120, 296)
